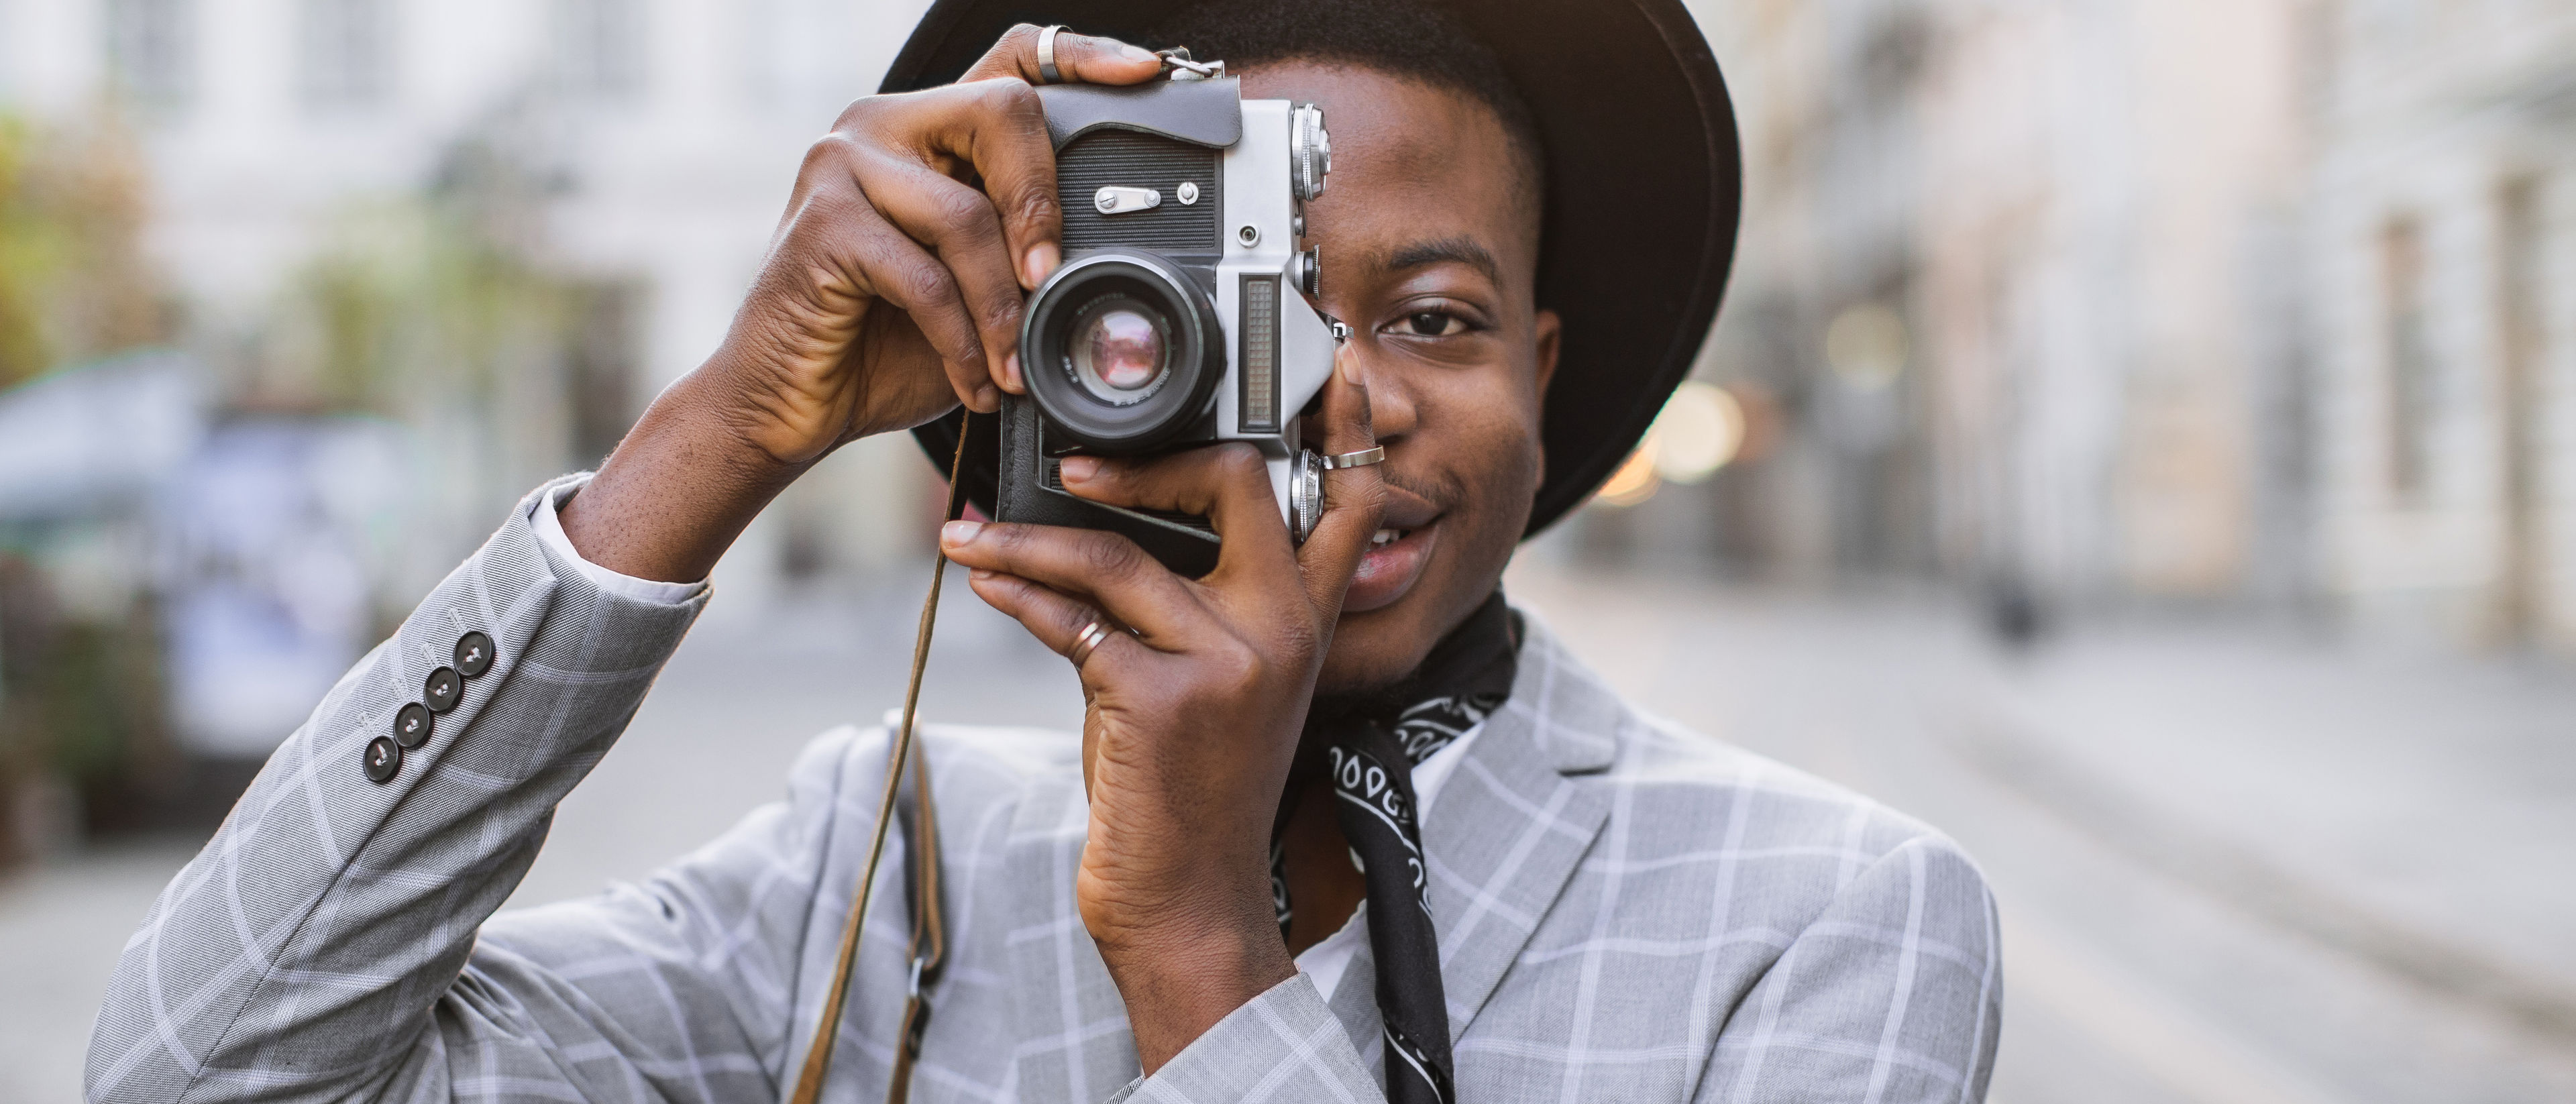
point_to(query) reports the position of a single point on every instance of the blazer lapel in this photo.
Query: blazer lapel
(1509, 827)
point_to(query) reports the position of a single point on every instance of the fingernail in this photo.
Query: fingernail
(1011, 373)
(1040, 261)
(1079, 468)
(1135, 53)
(1351, 372)
(987, 400)
(958, 532)
(982, 573)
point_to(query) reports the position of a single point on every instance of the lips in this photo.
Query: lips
(1397, 553)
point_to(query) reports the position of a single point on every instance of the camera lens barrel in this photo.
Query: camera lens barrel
(1122, 350)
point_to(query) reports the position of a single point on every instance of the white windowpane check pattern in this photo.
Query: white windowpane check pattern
(1627, 912)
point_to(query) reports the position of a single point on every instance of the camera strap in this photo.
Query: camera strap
(907, 805)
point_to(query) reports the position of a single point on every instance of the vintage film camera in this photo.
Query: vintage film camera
(1179, 317)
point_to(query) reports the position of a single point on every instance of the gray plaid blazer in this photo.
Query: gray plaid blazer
(1627, 912)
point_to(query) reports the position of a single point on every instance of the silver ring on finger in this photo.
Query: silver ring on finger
(1047, 72)
(1375, 454)
(1086, 640)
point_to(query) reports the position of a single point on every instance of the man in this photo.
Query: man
(1591, 905)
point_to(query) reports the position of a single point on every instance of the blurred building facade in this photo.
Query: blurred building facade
(2443, 251)
(2073, 302)
(573, 193)
(404, 261)
(2264, 303)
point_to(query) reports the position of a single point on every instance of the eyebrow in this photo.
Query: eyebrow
(1459, 250)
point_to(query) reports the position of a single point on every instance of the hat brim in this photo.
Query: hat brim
(1644, 186)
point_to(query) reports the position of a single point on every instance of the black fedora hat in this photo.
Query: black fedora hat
(1643, 188)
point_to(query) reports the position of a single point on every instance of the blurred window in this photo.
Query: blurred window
(2520, 231)
(603, 364)
(599, 48)
(2410, 359)
(152, 52)
(347, 52)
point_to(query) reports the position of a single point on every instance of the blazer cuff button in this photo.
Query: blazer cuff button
(383, 759)
(473, 654)
(412, 726)
(442, 689)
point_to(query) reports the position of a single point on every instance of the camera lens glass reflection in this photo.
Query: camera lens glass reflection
(1119, 350)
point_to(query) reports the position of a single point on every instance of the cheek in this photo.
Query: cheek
(1498, 466)
(1503, 437)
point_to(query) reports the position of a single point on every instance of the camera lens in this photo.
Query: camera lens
(1124, 351)
(1120, 350)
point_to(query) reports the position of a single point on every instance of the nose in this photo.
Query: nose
(1393, 413)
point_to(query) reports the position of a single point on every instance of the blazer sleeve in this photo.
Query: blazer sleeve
(1893, 994)
(315, 949)
(1281, 1045)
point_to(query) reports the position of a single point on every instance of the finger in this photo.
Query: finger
(1087, 59)
(1013, 156)
(1059, 621)
(959, 224)
(1354, 498)
(1227, 484)
(881, 261)
(1107, 569)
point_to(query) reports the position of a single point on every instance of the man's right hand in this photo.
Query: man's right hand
(892, 291)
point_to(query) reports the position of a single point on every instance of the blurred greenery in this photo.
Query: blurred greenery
(434, 308)
(27, 252)
(421, 300)
(73, 281)
(80, 703)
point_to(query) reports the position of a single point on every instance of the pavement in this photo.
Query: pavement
(2236, 864)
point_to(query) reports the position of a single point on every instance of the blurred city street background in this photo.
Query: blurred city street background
(2140, 440)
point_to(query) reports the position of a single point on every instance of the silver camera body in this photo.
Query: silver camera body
(1179, 317)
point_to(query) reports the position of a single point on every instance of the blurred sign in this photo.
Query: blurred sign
(266, 538)
(97, 439)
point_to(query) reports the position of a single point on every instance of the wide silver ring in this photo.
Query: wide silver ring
(1361, 459)
(1047, 72)
(1086, 640)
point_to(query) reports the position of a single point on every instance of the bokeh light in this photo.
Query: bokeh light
(1635, 481)
(1700, 431)
(1866, 346)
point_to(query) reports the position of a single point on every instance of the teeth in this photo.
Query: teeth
(1386, 536)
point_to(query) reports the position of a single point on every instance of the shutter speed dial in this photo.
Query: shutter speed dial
(1310, 151)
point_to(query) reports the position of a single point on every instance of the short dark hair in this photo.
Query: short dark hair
(1413, 39)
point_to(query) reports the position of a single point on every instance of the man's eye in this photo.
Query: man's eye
(1435, 324)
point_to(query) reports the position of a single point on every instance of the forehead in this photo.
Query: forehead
(1411, 162)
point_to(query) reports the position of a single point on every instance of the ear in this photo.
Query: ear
(1549, 330)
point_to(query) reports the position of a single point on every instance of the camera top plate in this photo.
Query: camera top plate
(1200, 112)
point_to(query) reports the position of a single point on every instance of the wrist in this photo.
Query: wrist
(677, 490)
(1179, 979)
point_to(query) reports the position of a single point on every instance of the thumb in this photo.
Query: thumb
(1354, 498)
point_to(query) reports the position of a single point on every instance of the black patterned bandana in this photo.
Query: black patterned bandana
(1372, 746)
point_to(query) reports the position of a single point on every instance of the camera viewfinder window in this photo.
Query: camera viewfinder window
(1260, 405)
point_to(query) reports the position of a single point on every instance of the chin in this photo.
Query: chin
(1413, 590)
(1379, 647)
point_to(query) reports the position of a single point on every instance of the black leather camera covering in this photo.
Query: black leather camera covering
(1026, 496)
(1107, 156)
